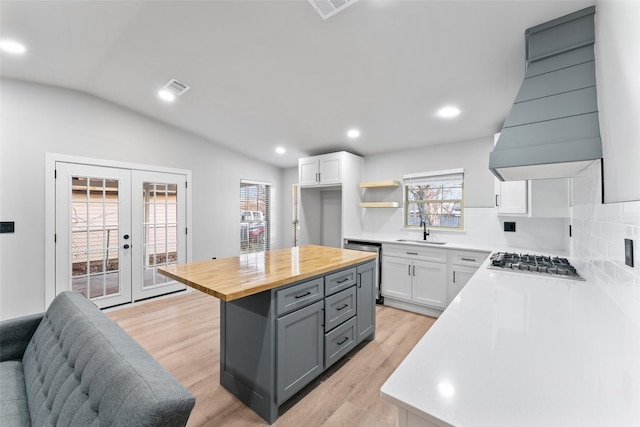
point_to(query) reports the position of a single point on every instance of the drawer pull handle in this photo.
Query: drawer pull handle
(303, 295)
(343, 280)
(468, 259)
(342, 307)
(343, 340)
(412, 253)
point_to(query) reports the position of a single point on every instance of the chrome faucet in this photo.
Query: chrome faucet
(425, 233)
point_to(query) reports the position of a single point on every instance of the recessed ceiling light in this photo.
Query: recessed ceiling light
(280, 150)
(165, 95)
(12, 46)
(448, 112)
(353, 133)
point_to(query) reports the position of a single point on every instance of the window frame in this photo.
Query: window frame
(250, 221)
(425, 178)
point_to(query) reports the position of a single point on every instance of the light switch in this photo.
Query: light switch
(628, 252)
(7, 227)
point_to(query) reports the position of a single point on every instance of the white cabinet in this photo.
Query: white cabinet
(415, 275)
(328, 210)
(511, 197)
(428, 285)
(396, 277)
(320, 170)
(462, 265)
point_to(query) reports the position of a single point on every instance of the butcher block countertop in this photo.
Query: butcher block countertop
(236, 277)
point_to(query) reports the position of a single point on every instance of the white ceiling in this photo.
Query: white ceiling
(266, 73)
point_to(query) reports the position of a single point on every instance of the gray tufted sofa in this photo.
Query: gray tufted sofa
(73, 366)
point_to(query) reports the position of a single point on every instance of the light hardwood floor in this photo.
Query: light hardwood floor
(182, 332)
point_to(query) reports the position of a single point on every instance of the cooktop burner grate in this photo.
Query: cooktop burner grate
(538, 264)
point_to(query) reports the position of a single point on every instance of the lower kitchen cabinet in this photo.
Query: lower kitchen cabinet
(426, 280)
(429, 283)
(396, 278)
(275, 342)
(421, 282)
(300, 351)
(459, 277)
(366, 301)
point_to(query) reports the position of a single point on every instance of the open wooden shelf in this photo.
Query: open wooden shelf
(380, 184)
(379, 204)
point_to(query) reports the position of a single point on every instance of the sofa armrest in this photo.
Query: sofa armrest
(15, 335)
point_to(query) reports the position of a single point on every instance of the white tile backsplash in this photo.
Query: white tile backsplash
(597, 245)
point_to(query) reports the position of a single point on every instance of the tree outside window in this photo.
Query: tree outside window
(435, 198)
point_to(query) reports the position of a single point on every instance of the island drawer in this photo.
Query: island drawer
(339, 341)
(298, 296)
(336, 282)
(339, 307)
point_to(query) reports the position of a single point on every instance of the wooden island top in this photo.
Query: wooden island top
(236, 277)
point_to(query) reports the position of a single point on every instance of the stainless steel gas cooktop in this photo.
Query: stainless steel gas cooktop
(536, 264)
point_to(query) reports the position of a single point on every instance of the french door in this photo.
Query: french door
(114, 228)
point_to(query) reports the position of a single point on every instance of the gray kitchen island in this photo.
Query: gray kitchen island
(285, 316)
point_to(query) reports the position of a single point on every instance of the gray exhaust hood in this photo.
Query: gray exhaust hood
(552, 130)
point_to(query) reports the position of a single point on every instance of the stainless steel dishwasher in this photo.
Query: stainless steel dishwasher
(359, 245)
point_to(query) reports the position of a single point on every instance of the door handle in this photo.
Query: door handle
(497, 200)
(454, 276)
(126, 246)
(414, 270)
(126, 237)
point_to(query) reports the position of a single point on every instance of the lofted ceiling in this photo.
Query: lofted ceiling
(269, 73)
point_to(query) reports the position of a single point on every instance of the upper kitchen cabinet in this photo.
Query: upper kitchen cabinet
(329, 198)
(321, 170)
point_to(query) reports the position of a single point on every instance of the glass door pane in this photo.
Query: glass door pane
(92, 220)
(160, 215)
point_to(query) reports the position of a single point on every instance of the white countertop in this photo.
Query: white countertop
(524, 350)
(447, 244)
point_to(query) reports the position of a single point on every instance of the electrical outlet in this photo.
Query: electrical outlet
(7, 227)
(628, 252)
(509, 226)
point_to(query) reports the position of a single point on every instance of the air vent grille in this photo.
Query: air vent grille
(327, 8)
(176, 87)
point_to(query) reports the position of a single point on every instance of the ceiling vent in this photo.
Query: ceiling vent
(327, 8)
(176, 87)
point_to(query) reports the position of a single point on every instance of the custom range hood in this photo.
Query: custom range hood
(552, 130)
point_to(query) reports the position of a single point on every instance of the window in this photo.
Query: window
(254, 216)
(435, 198)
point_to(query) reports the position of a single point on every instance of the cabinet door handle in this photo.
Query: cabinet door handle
(414, 270)
(409, 270)
(303, 295)
(343, 280)
(359, 280)
(343, 340)
(468, 259)
(342, 307)
(454, 276)
(497, 201)
(412, 253)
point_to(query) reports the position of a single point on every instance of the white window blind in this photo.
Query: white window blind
(255, 213)
(435, 199)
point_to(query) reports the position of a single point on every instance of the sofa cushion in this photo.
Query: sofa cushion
(82, 369)
(13, 395)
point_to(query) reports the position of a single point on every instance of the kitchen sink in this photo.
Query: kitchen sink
(424, 242)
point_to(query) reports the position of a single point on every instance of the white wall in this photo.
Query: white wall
(617, 68)
(36, 119)
(599, 231)
(481, 223)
